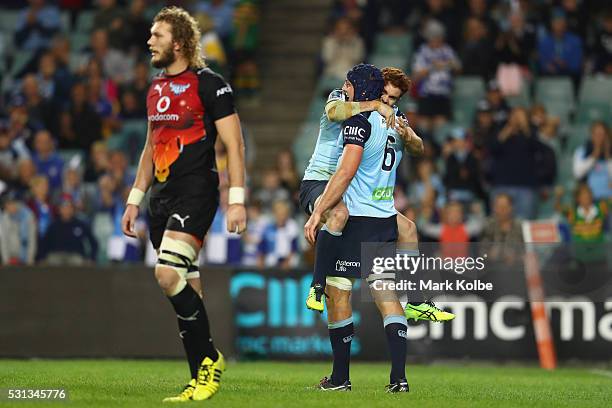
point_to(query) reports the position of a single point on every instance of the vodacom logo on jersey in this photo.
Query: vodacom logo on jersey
(163, 104)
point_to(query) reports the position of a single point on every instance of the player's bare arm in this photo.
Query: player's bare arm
(339, 111)
(230, 134)
(336, 186)
(142, 182)
(413, 143)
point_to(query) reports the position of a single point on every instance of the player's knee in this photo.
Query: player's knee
(338, 217)
(407, 231)
(175, 261)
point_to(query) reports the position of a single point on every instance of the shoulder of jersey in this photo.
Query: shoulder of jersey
(207, 72)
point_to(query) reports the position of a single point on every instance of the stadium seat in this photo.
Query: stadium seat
(79, 41)
(596, 89)
(84, 23)
(577, 135)
(326, 84)
(559, 108)
(102, 227)
(468, 87)
(66, 21)
(555, 89)
(130, 139)
(523, 99)
(68, 155)
(394, 45)
(316, 108)
(390, 60)
(464, 110)
(20, 60)
(305, 143)
(442, 133)
(9, 20)
(589, 111)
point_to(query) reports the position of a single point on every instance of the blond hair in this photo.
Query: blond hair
(185, 31)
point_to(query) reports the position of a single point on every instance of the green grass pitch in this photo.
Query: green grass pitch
(105, 383)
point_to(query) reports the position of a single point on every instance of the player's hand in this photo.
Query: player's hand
(128, 221)
(311, 227)
(402, 128)
(388, 113)
(236, 218)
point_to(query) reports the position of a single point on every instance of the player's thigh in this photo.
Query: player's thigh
(190, 218)
(310, 191)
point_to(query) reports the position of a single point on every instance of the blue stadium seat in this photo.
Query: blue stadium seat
(596, 89)
(84, 23)
(9, 20)
(20, 60)
(390, 60)
(589, 111)
(79, 41)
(468, 86)
(523, 99)
(577, 135)
(394, 44)
(554, 88)
(464, 110)
(130, 139)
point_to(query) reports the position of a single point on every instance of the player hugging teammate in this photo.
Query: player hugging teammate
(188, 106)
(349, 163)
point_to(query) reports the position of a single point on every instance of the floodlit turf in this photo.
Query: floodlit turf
(101, 383)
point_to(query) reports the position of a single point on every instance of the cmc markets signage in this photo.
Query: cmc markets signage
(272, 322)
(271, 317)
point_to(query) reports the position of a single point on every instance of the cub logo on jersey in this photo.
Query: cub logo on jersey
(178, 89)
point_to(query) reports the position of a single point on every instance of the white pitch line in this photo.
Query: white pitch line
(602, 372)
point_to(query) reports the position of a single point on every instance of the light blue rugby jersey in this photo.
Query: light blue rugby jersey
(324, 159)
(370, 193)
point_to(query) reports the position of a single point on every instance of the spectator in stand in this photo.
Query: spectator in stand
(342, 49)
(244, 42)
(115, 64)
(560, 51)
(514, 164)
(427, 182)
(40, 205)
(46, 159)
(80, 125)
(279, 243)
(251, 238)
(138, 88)
(271, 190)
(497, 102)
(46, 76)
(18, 237)
(477, 53)
(435, 64)
(515, 43)
(484, 129)
(103, 107)
(25, 173)
(138, 27)
(212, 47)
(587, 217)
(41, 112)
(576, 16)
(479, 10)
(108, 197)
(502, 233)
(73, 185)
(545, 126)
(441, 11)
(290, 180)
(119, 170)
(222, 13)
(11, 151)
(98, 163)
(68, 240)
(112, 18)
(455, 232)
(18, 126)
(63, 77)
(593, 162)
(462, 180)
(601, 52)
(36, 25)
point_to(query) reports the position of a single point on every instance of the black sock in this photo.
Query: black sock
(395, 329)
(341, 337)
(194, 328)
(325, 254)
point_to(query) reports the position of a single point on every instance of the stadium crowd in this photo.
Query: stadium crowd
(503, 97)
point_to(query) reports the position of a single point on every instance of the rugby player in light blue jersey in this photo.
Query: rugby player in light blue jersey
(323, 164)
(365, 173)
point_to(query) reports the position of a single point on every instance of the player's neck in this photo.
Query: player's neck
(177, 67)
